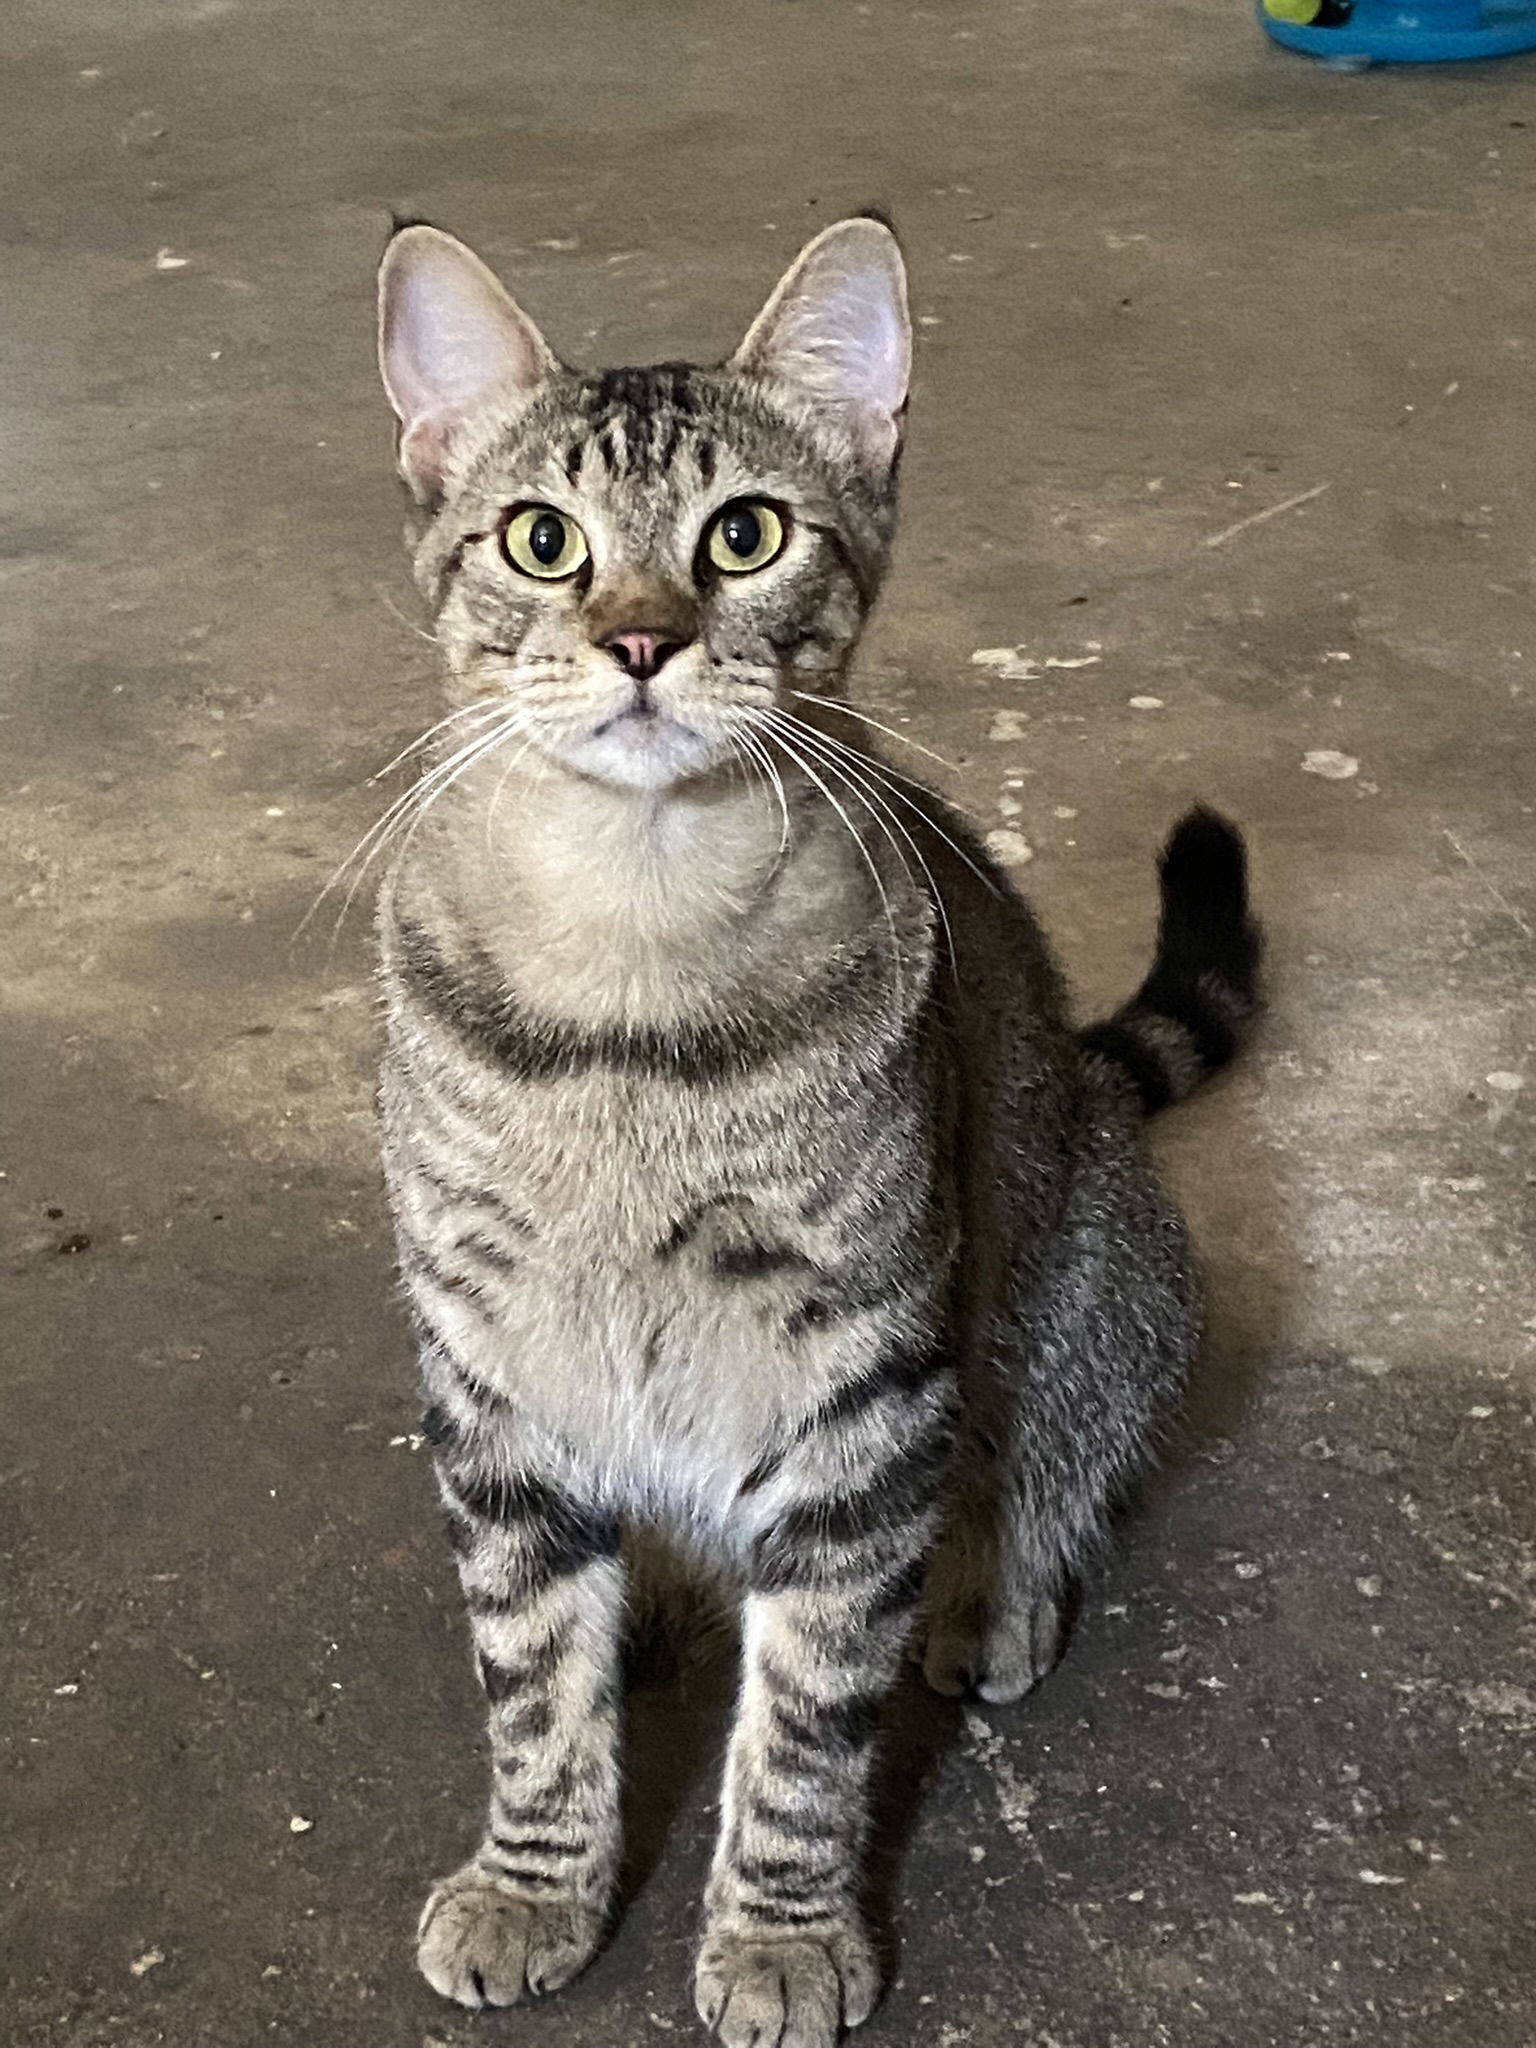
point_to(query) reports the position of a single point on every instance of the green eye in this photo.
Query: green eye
(746, 536)
(544, 543)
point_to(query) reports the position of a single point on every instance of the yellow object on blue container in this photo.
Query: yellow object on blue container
(1353, 33)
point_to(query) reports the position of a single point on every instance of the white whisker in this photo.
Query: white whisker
(865, 789)
(481, 705)
(425, 793)
(486, 744)
(758, 756)
(501, 783)
(882, 772)
(410, 625)
(852, 830)
(416, 798)
(837, 704)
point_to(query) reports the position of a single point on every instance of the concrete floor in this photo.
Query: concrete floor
(1281, 1790)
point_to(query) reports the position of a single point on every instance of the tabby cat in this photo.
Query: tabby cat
(754, 1193)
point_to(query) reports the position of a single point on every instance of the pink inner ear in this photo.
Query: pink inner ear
(890, 358)
(424, 453)
(452, 345)
(836, 331)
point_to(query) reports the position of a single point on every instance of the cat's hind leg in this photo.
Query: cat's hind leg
(1062, 1411)
(996, 1601)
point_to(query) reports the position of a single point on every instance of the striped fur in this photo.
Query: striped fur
(1187, 1018)
(755, 1196)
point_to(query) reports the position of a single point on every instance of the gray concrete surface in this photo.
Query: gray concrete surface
(1281, 1790)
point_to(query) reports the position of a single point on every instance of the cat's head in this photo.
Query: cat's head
(647, 562)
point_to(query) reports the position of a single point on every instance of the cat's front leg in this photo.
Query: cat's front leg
(842, 1531)
(544, 1584)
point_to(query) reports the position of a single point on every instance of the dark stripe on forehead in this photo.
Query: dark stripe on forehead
(641, 390)
(639, 418)
(669, 430)
(615, 391)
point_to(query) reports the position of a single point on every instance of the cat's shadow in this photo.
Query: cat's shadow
(679, 1704)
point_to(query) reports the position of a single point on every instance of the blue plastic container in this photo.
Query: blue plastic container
(1410, 31)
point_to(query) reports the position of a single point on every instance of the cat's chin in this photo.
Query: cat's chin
(642, 753)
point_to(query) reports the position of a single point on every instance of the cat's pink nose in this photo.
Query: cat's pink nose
(641, 654)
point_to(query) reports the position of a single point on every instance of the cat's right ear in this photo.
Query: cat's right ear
(836, 333)
(453, 345)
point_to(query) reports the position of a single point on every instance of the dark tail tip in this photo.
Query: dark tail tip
(1187, 1018)
(1206, 925)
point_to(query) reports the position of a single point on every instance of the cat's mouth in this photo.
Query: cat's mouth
(637, 718)
(643, 746)
(644, 713)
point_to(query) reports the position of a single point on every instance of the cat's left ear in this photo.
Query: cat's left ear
(837, 334)
(453, 348)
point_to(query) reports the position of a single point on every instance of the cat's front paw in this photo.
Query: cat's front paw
(483, 1942)
(798, 1990)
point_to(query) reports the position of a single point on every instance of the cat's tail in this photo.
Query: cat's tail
(1187, 1018)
